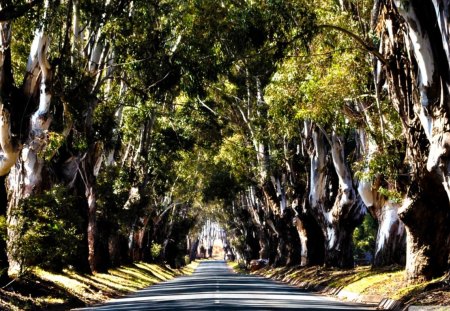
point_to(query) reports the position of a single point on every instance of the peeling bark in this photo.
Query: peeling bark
(25, 177)
(332, 198)
(414, 36)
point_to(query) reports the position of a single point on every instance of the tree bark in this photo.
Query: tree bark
(390, 245)
(333, 199)
(26, 176)
(414, 37)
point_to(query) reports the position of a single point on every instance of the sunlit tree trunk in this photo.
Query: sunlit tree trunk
(414, 38)
(26, 175)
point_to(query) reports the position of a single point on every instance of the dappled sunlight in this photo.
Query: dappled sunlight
(116, 283)
(380, 283)
(90, 281)
(73, 286)
(70, 289)
(152, 270)
(155, 270)
(131, 273)
(127, 280)
(11, 300)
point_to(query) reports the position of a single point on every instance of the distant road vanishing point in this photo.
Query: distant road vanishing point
(214, 286)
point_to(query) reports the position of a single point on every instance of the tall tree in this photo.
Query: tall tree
(414, 41)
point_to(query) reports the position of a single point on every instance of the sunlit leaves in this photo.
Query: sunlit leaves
(239, 157)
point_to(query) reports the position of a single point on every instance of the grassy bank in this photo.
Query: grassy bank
(388, 282)
(44, 290)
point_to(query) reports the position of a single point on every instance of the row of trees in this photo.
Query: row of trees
(345, 115)
(125, 123)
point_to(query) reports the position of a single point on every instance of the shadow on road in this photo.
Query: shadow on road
(214, 287)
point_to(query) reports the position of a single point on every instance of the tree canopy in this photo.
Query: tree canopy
(128, 125)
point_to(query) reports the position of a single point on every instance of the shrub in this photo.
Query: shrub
(364, 238)
(187, 260)
(155, 250)
(46, 230)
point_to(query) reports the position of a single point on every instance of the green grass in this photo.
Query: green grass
(238, 267)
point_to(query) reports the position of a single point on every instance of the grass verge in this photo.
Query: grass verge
(44, 290)
(387, 282)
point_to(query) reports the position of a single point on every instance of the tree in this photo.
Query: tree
(417, 76)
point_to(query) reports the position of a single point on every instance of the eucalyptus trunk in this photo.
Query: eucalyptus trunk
(414, 38)
(25, 177)
(333, 199)
(390, 245)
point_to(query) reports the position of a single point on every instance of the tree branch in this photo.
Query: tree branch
(366, 46)
(16, 11)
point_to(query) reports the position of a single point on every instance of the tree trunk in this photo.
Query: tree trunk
(333, 199)
(293, 246)
(9, 150)
(390, 245)
(90, 167)
(312, 240)
(8, 155)
(193, 250)
(3, 254)
(26, 176)
(426, 219)
(414, 38)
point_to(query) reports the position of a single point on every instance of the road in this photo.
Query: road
(214, 286)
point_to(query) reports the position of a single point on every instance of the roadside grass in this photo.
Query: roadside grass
(386, 282)
(237, 267)
(45, 290)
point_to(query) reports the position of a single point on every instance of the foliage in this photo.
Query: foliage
(113, 186)
(364, 238)
(155, 250)
(3, 228)
(384, 164)
(185, 96)
(46, 225)
(54, 142)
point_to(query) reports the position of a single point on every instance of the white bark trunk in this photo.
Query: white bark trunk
(332, 209)
(40, 121)
(420, 45)
(304, 261)
(317, 176)
(391, 230)
(8, 153)
(347, 197)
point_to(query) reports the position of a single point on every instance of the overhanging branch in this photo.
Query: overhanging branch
(366, 46)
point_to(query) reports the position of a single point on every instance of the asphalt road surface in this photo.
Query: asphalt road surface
(214, 286)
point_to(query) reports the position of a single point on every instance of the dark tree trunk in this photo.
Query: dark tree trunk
(115, 258)
(3, 253)
(98, 255)
(293, 245)
(333, 200)
(311, 239)
(193, 250)
(427, 223)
